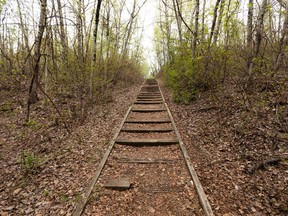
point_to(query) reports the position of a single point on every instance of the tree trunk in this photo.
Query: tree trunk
(62, 34)
(97, 15)
(177, 20)
(258, 39)
(282, 43)
(33, 97)
(203, 21)
(195, 35)
(249, 42)
(213, 22)
(80, 35)
(218, 26)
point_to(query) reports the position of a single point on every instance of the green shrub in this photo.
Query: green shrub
(30, 162)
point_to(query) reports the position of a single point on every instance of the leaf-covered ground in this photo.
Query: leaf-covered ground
(227, 132)
(44, 169)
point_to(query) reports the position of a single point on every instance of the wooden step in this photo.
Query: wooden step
(149, 99)
(154, 97)
(117, 184)
(148, 102)
(149, 142)
(147, 121)
(147, 130)
(149, 93)
(148, 110)
(150, 85)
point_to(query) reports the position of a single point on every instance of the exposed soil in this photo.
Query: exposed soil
(227, 132)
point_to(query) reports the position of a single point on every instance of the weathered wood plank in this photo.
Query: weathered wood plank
(146, 130)
(147, 110)
(149, 99)
(118, 184)
(148, 102)
(147, 121)
(140, 142)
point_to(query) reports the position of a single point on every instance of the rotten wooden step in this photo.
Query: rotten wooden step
(148, 102)
(148, 110)
(147, 130)
(149, 93)
(150, 142)
(150, 99)
(118, 184)
(147, 121)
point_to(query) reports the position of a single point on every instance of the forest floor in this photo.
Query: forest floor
(44, 169)
(228, 133)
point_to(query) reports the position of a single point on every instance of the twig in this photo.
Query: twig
(54, 105)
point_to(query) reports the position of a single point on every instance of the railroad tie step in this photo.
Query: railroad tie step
(117, 184)
(148, 121)
(150, 97)
(148, 102)
(148, 110)
(147, 130)
(146, 142)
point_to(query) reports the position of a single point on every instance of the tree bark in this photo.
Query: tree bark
(177, 20)
(203, 21)
(97, 15)
(249, 41)
(195, 35)
(79, 23)
(218, 26)
(213, 22)
(62, 34)
(32, 96)
(258, 39)
(282, 43)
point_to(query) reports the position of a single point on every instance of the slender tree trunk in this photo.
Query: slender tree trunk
(282, 43)
(96, 31)
(62, 34)
(195, 35)
(177, 20)
(214, 22)
(32, 96)
(80, 35)
(249, 42)
(97, 15)
(218, 26)
(203, 21)
(258, 39)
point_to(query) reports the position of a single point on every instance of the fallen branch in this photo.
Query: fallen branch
(266, 162)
